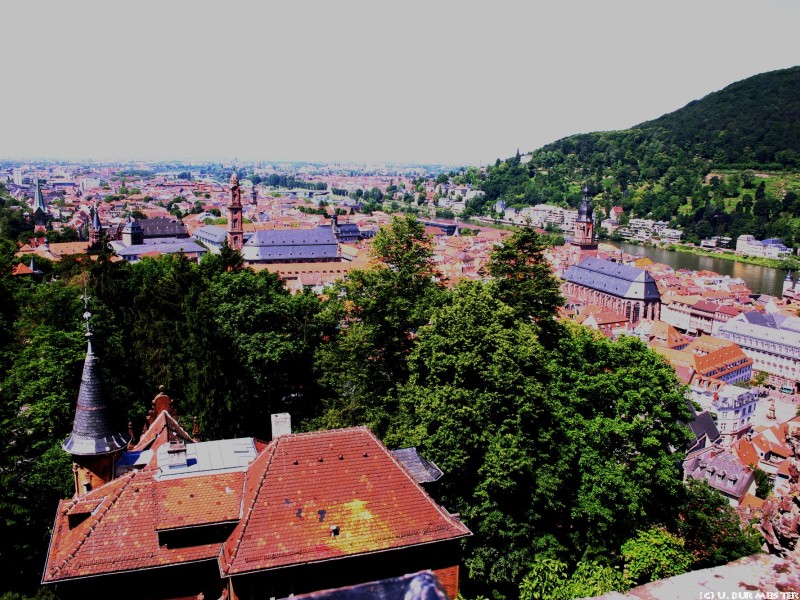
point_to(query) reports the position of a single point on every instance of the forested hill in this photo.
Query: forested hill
(754, 120)
(659, 169)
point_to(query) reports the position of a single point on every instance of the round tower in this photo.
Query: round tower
(95, 229)
(39, 209)
(788, 284)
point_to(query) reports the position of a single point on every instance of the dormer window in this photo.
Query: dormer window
(177, 454)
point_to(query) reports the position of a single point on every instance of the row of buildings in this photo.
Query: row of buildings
(721, 339)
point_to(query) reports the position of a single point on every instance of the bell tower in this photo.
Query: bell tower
(235, 228)
(95, 229)
(583, 236)
(95, 444)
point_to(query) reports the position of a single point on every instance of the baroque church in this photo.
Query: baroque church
(629, 291)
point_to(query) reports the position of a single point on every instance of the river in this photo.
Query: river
(761, 280)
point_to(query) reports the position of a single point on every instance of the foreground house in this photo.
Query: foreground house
(173, 517)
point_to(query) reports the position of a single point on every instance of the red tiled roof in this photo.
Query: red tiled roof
(21, 269)
(751, 501)
(119, 535)
(746, 452)
(163, 428)
(304, 485)
(783, 468)
(287, 501)
(192, 501)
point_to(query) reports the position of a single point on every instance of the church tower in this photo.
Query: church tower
(95, 229)
(39, 209)
(235, 229)
(95, 444)
(132, 233)
(584, 225)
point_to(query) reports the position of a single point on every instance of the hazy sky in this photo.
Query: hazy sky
(431, 81)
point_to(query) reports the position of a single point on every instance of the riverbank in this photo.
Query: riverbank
(760, 279)
(771, 263)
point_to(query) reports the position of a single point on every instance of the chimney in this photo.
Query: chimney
(281, 424)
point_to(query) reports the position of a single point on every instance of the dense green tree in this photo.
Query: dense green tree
(564, 452)
(474, 404)
(621, 411)
(379, 310)
(271, 335)
(654, 554)
(524, 278)
(711, 527)
(763, 483)
(551, 579)
(37, 395)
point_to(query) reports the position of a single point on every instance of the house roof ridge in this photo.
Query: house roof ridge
(156, 427)
(245, 518)
(445, 513)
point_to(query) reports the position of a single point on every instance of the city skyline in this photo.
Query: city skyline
(359, 82)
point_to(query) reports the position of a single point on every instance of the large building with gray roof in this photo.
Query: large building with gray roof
(293, 245)
(772, 341)
(628, 290)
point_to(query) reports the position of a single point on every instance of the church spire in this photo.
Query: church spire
(95, 228)
(39, 209)
(235, 228)
(94, 442)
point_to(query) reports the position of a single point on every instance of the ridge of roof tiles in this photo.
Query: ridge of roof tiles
(341, 493)
(159, 432)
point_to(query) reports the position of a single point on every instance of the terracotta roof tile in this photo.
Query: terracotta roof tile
(304, 498)
(330, 494)
(121, 532)
(192, 501)
(160, 431)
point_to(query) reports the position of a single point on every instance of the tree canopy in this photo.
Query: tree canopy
(558, 445)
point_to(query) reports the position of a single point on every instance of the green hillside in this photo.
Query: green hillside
(751, 122)
(701, 167)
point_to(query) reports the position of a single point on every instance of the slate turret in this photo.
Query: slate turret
(95, 443)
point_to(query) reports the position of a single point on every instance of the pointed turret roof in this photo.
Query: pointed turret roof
(93, 430)
(38, 199)
(96, 218)
(131, 225)
(34, 269)
(585, 210)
